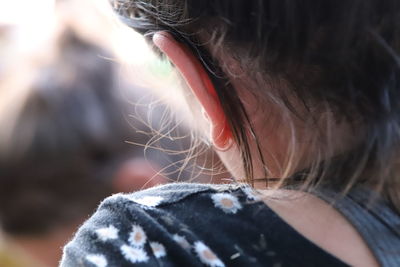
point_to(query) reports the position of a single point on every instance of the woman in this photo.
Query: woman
(298, 96)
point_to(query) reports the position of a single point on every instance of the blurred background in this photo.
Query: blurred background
(86, 111)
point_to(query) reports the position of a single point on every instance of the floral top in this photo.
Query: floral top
(190, 225)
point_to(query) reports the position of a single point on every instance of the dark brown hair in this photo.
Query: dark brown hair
(338, 58)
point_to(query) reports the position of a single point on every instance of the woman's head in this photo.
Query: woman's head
(302, 84)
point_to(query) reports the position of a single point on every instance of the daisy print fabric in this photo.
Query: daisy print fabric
(137, 237)
(134, 255)
(158, 249)
(189, 225)
(182, 241)
(107, 233)
(207, 256)
(97, 260)
(226, 202)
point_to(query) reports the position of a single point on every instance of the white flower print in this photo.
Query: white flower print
(158, 249)
(147, 201)
(181, 240)
(251, 193)
(97, 259)
(137, 237)
(207, 256)
(134, 255)
(107, 233)
(227, 202)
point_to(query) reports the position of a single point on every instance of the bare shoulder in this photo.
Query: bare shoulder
(322, 224)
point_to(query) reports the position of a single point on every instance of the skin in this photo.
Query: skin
(309, 215)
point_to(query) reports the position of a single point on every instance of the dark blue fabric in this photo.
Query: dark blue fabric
(222, 226)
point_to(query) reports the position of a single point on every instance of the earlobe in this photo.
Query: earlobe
(200, 83)
(222, 137)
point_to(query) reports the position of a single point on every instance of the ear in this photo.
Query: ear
(201, 85)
